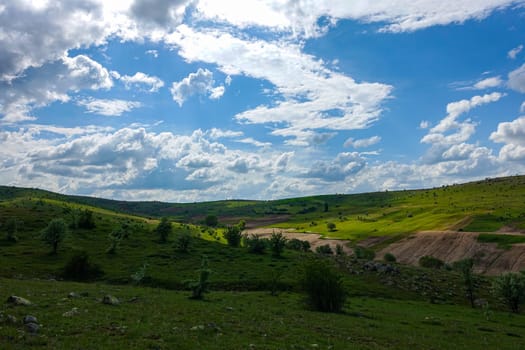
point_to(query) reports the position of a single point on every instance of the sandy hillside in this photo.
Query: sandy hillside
(451, 246)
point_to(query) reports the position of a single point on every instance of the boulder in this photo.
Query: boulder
(14, 300)
(110, 300)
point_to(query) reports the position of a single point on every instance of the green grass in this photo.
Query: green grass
(503, 241)
(161, 319)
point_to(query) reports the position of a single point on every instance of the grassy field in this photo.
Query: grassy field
(413, 307)
(161, 319)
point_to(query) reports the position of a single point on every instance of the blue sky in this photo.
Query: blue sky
(204, 100)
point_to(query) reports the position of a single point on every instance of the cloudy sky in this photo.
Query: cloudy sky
(259, 99)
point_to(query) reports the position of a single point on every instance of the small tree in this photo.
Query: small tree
(331, 226)
(389, 257)
(364, 253)
(324, 250)
(233, 235)
(164, 229)
(510, 287)
(277, 243)
(11, 229)
(339, 250)
(466, 266)
(211, 220)
(323, 286)
(255, 244)
(85, 219)
(431, 262)
(115, 237)
(183, 242)
(54, 233)
(200, 286)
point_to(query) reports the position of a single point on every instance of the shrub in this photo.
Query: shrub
(466, 266)
(115, 237)
(80, 268)
(339, 250)
(255, 244)
(297, 244)
(233, 235)
(277, 243)
(164, 229)
(183, 242)
(211, 220)
(11, 229)
(364, 253)
(85, 219)
(200, 286)
(323, 286)
(431, 262)
(389, 257)
(54, 233)
(324, 250)
(331, 226)
(139, 276)
(510, 287)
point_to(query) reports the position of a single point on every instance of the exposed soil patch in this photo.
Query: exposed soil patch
(315, 239)
(451, 246)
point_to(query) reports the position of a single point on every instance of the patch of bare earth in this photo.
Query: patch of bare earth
(314, 239)
(451, 246)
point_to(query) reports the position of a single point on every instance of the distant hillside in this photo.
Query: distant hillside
(486, 205)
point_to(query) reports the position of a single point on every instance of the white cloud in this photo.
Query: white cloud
(362, 142)
(454, 110)
(161, 13)
(153, 53)
(302, 17)
(139, 78)
(512, 54)
(522, 108)
(105, 107)
(488, 83)
(342, 166)
(49, 83)
(252, 141)
(218, 133)
(425, 124)
(510, 132)
(517, 79)
(313, 97)
(198, 83)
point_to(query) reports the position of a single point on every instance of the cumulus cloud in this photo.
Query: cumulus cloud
(142, 79)
(68, 74)
(215, 133)
(516, 79)
(160, 13)
(113, 107)
(252, 141)
(343, 165)
(522, 108)
(425, 124)
(362, 142)
(512, 54)
(198, 83)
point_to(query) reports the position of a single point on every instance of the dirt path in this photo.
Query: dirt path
(314, 239)
(451, 246)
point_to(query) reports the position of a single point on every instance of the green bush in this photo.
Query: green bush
(331, 226)
(364, 253)
(255, 244)
(80, 268)
(389, 257)
(324, 250)
(323, 286)
(164, 229)
(211, 220)
(183, 242)
(510, 287)
(277, 243)
(339, 250)
(298, 244)
(54, 233)
(431, 262)
(233, 235)
(200, 286)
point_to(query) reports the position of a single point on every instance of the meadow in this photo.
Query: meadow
(256, 301)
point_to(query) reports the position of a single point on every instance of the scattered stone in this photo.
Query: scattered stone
(30, 319)
(134, 299)
(110, 300)
(71, 313)
(14, 300)
(229, 308)
(197, 328)
(32, 328)
(11, 319)
(73, 295)
(481, 302)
